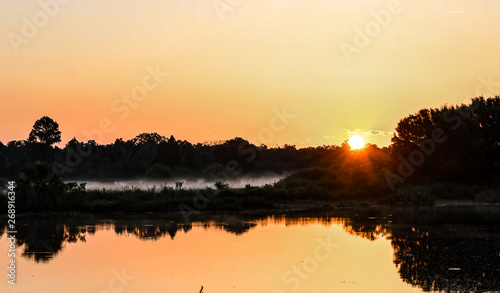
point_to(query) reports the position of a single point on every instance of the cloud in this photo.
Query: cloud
(371, 132)
(352, 132)
(378, 132)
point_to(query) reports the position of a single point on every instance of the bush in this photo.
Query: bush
(39, 188)
(221, 185)
(159, 171)
(184, 172)
(489, 196)
(312, 174)
(217, 171)
(453, 191)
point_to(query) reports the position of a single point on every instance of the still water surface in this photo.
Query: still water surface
(370, 250)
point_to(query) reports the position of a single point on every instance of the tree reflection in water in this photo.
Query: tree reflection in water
(442, 259)
(445, 250)
(442, 249)
(44, 238)
(450, 251)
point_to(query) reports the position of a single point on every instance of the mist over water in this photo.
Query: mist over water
(188, 183)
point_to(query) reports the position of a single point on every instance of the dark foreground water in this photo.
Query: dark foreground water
(449, 249)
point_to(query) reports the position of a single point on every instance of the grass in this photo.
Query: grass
(415, 196)
(152, 200)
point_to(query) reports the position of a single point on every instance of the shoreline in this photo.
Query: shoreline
(280, 207)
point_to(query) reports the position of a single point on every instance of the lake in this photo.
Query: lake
(337, 250)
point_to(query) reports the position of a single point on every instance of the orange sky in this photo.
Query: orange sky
(231, 67)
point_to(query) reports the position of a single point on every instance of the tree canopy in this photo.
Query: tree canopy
(460, 143)
(45, 131)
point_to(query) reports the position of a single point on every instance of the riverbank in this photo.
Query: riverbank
(221, 199)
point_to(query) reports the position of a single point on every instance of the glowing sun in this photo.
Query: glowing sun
(356, 142)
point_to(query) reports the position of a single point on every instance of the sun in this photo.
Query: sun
(356, 142)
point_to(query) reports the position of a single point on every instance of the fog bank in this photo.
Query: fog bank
(145, 184)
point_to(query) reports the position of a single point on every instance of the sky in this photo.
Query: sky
(301, 72)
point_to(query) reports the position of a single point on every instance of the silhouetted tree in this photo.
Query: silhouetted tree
(39, 188)
(452, 143)
(168, 152)
(46, 131)
(123, 151)
(148, 138)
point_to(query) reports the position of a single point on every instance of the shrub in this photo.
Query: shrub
(453, 191)
(184, 172)
(159, 171)
(39, 188)
(221, 185)
(217, 171)
(489, 196)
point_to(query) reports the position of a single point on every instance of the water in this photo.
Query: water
(455, 249)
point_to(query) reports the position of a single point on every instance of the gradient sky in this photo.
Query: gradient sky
(231, 70)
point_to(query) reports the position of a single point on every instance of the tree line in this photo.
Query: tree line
(445, 147)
